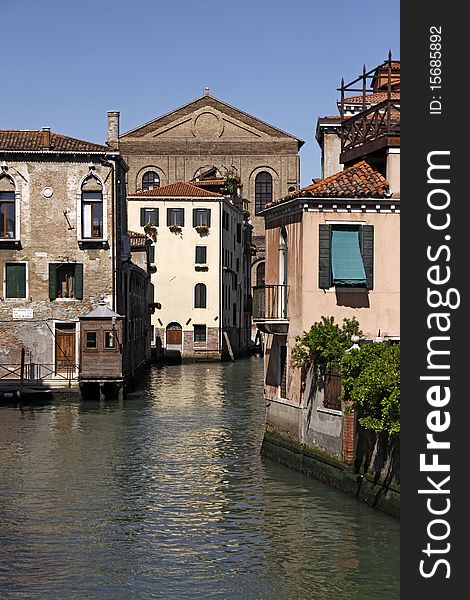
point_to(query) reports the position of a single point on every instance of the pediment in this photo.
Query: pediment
(207, 119)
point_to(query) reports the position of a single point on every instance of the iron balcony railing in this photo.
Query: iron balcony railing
(270, 302)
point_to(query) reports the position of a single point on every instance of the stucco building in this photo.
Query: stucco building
(200, 272)
(64, 245)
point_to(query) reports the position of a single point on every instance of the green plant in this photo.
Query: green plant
(371, 384)
(231, 181)
(325, 344)
(202, 229)
(151, 231)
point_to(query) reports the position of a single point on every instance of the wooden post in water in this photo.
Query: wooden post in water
(22, 365)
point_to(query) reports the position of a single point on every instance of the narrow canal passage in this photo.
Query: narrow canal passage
(166, 496)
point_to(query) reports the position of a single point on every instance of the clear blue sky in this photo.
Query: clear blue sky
(65, 63)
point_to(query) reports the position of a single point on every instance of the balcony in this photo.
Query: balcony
(370, 130)
(270, 308)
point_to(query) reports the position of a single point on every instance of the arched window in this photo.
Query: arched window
(260, 270)
(92, 209)
(263, 190)
(200, 296)
(150, 180)
(8, 214)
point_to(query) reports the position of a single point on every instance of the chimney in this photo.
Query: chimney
(206, 91)
(46, 138)
(113, 129)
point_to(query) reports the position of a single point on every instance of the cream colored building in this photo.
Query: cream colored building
(198, 255)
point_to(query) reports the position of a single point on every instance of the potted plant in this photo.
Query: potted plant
(175, 228)
(151, 231)
(202, 229)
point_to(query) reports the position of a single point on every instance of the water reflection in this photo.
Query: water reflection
(166, 496)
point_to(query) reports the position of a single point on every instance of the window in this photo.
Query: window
(263, 190)
(150, 180)
(201, 255)
(152, 254)
(15, 280)
(148, 216)
(175, 216)
(260, 274)
(92, 209)
(91, 340)
(66, 280)
(346, 256)
(7, 216)
(200, 334)
(201, 216)
(200, 296)
(239, 233)
(109, 340)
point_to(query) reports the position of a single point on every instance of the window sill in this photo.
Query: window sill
(93, 244)
(330, 411)
(201, 267)
(65, 299)
(9, 244)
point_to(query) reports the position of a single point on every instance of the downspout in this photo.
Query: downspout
(113, 237)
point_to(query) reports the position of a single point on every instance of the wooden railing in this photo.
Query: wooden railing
(36, 373)
(379, 121)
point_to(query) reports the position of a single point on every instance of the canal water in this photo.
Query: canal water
(165, 495)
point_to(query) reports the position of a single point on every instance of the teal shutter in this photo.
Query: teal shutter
(367, 250)
(79, 281)
(324, 259)
(346, 258)
(15, 280)
(53, 280)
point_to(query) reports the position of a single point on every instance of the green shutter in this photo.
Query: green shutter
(324, 261)
(346, 260)
(367, 250)
(142, 217)
(208, 217)
(53, 280)
(155, 217)
(195, 217)
(182, 217)
(16, 280)
(79, 281)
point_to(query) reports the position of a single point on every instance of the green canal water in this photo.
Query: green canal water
(165, 495)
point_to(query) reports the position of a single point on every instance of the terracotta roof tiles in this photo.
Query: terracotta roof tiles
(358, 181)
(32, 140)
(374, 98)
(180, 189)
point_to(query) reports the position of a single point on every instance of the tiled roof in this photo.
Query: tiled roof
(180, 189)
(374, 98)
(358, 181)
(32, 140)
(214, 181)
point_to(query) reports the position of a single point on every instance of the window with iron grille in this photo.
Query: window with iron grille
(150, 180)
(200, 334)
(263, 190)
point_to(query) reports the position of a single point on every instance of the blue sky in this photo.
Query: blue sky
(65, 64)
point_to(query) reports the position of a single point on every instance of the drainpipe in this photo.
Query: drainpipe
(106, 163)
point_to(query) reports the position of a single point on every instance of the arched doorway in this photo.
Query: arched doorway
(174, 337)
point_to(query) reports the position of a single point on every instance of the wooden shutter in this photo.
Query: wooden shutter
(208, 210)
(324, 257)
(79, 281)
(53, 280)
(16, 280)
(182, 216)
(367, 251)
(142, 217)
(195, 223)
(155, 217)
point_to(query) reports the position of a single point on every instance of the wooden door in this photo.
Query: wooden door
(65, 348)
(174, 337)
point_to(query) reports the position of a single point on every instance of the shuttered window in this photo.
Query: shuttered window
(15, 280)
(175, 216)
(201, 216)
(148, 216)
(66, 280)
(346, 256)
(200, 296)
(201, 255)
(7, 215)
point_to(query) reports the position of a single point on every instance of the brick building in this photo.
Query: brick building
(63, 245)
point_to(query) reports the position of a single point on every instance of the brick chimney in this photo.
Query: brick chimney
(113, 129)
(46, 138)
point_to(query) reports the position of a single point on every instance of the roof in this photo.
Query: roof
(179, 189)
(374, 98)
(32, 140)
(102, 311)
(358, 181)
(202, 101)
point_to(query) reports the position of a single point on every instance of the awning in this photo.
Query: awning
(346, 259)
